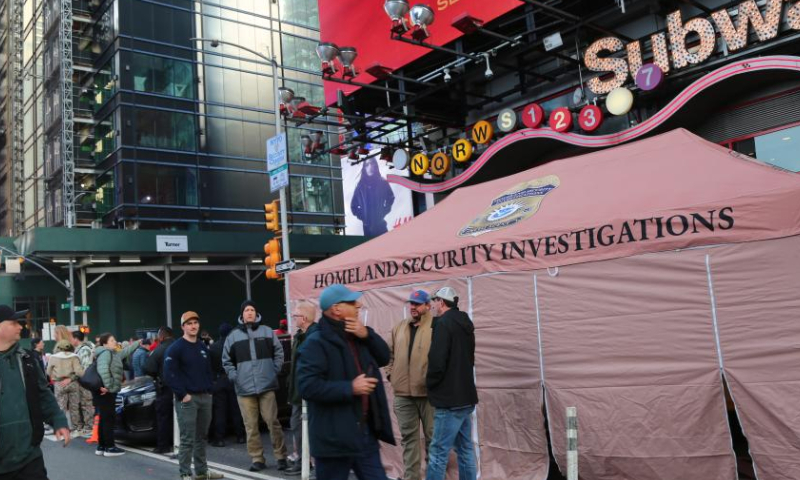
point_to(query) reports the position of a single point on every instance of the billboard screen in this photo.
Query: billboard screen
(372, 205)
(363, 24)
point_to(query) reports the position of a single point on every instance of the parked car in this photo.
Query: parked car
(136, 410)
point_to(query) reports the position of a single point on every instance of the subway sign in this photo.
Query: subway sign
(671, 45)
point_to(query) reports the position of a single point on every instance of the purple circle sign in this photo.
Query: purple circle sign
(649, 76)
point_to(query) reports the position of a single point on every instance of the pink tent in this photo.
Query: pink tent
(633, 283)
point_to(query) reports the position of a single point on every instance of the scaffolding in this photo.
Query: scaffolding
(67, 113)
(17, 118)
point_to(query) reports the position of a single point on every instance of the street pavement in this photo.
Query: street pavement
(79, 461)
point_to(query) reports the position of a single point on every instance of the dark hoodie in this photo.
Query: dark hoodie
(451, 361)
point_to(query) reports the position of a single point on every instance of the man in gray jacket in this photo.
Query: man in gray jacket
(252, 358)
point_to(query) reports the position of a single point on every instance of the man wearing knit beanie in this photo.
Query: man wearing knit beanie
(252, 358)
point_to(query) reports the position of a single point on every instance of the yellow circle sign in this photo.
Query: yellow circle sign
(440, 164)
(462, 150)
(420, 164)
(482, 132)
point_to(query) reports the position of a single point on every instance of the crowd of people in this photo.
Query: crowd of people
(335, 366)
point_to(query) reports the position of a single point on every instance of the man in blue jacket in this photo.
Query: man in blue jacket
(252, 357)
(25, 404)
(338, 375)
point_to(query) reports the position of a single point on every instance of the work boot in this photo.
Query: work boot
(257, 466)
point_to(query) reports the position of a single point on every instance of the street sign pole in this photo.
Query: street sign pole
(284, 215)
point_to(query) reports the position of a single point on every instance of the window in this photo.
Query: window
(105, 138)
(161, 185)
(162, 129)
(781, 148)
(104, 196)
(301, 12)
(296, 152)
(312, 195)
(163, 76)
(300, 53)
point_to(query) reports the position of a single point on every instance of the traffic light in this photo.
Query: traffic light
(272, 252)
(272, 215)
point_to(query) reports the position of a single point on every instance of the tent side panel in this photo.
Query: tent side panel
(513, 444)
(630, 343)
(757, 287)
(382, 310)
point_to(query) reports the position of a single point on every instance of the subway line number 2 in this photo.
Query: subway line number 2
(561, 119)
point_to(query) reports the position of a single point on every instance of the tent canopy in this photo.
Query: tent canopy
(671, 191)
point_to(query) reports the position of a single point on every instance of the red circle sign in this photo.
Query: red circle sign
(532, 115)
(561, 119)
(590, 118)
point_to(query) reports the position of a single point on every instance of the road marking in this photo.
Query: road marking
(230, 472)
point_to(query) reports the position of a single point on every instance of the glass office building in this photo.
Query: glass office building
(167, 133)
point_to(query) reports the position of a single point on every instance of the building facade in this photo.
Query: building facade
(135, 125)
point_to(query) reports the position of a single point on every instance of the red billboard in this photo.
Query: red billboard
(363, 24)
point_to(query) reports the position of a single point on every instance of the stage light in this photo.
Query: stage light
(305, 142)
(347, 55)
(447, 76)
(488, 73)
(397, 10)
(327, 53)
(317, 141)
(422, 17)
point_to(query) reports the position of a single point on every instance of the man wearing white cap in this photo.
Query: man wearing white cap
(451, 387)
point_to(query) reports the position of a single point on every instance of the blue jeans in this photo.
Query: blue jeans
(452, 428)
(366, 467)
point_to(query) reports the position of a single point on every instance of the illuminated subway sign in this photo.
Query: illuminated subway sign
(735, 34)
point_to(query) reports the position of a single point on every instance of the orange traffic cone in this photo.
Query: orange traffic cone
(95, 431)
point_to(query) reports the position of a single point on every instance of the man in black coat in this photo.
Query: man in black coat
(226, 406)
(154, 366)
(338, 375)
(451, 387)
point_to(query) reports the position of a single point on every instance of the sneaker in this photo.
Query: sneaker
(99, 451)
(257, 466)
(113, 452)
(282, 464)
(209, 475)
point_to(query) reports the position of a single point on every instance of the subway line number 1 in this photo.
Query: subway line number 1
(532, 115)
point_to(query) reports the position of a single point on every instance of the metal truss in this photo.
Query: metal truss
(67, 113)
(17, 118)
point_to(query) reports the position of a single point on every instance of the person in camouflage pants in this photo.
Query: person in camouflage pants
(85, 351)
(64, 369)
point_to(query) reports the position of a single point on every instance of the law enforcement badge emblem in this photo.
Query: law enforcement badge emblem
(512, 206)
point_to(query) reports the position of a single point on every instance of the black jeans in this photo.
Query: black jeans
(164, 413)
(226, 410)
(34, 470)
(106, 408)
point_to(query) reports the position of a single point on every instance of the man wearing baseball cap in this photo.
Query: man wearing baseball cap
(451, 387)
(410, 343)
(338, 374)
(26, 403)
(187, 371)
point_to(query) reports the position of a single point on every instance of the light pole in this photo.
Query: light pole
(284, 216)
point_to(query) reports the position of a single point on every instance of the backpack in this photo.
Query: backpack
(91, 379)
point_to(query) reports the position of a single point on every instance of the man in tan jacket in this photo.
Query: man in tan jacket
(409, 344)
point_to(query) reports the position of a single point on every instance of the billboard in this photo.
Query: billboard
(372, 205)
(363, 24)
